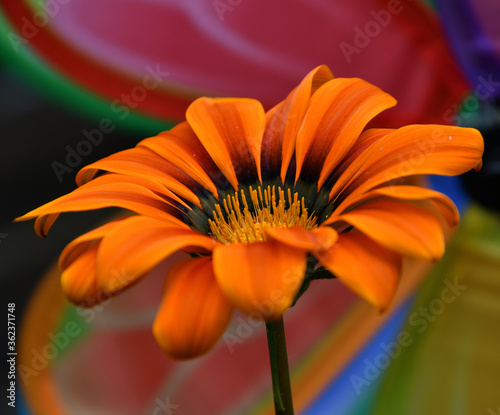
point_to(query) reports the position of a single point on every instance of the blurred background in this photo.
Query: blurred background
(80, 80)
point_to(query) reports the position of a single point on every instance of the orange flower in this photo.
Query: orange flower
(261, 201)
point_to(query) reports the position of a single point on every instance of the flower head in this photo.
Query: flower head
(262, 201)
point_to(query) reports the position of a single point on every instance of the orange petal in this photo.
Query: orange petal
(368, 269)
(284, 120)
(136, 245)
(262, 278)
(194, 312)
(79, 245)
(402, 227)
(311, 240)
(364, 141)
(112, 179)
(104, 192)
(145, 164)
(78, 280)
(412, 150)
(231, 131)
(444, 204)
(338, 113)
(43, 224)
(181, 147)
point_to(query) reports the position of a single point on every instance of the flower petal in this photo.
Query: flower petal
(78, 280)
(412, 150)
(296, 236)
(181, 147)
(364, 141)
(104, 192)
(442, 202)
(43, 223)
(262, 278)
(145, 164)
(136, 245)
(76, 247)
(338, 113)
(402, 227)
(231, 131)
(370, 270)
(283, 122)
(194, 312)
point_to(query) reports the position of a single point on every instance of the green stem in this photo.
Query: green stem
(282, 391)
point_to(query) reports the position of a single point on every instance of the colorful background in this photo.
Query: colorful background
(82, 79)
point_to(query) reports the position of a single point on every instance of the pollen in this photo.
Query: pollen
(238, 221)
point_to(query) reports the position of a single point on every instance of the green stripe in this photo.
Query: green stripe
(17, 54)
(71, 329)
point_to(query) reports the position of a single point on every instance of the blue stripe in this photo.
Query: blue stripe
(352, 391)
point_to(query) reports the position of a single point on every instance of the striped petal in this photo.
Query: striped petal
(412, 150)
(78, 280)
(194, 312)
(231, 131)
(104, 192)
(402, 227)
(370, 270)
(442, 202)
(283, 123)
(145, 164)
(364, 141)
(181, 147)
(43, 223)
(261, 279)
(338, 113)
(136, 245)
(79, 245)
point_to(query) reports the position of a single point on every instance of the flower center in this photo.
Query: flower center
(240, 223)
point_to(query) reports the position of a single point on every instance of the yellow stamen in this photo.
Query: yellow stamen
(240, 225)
